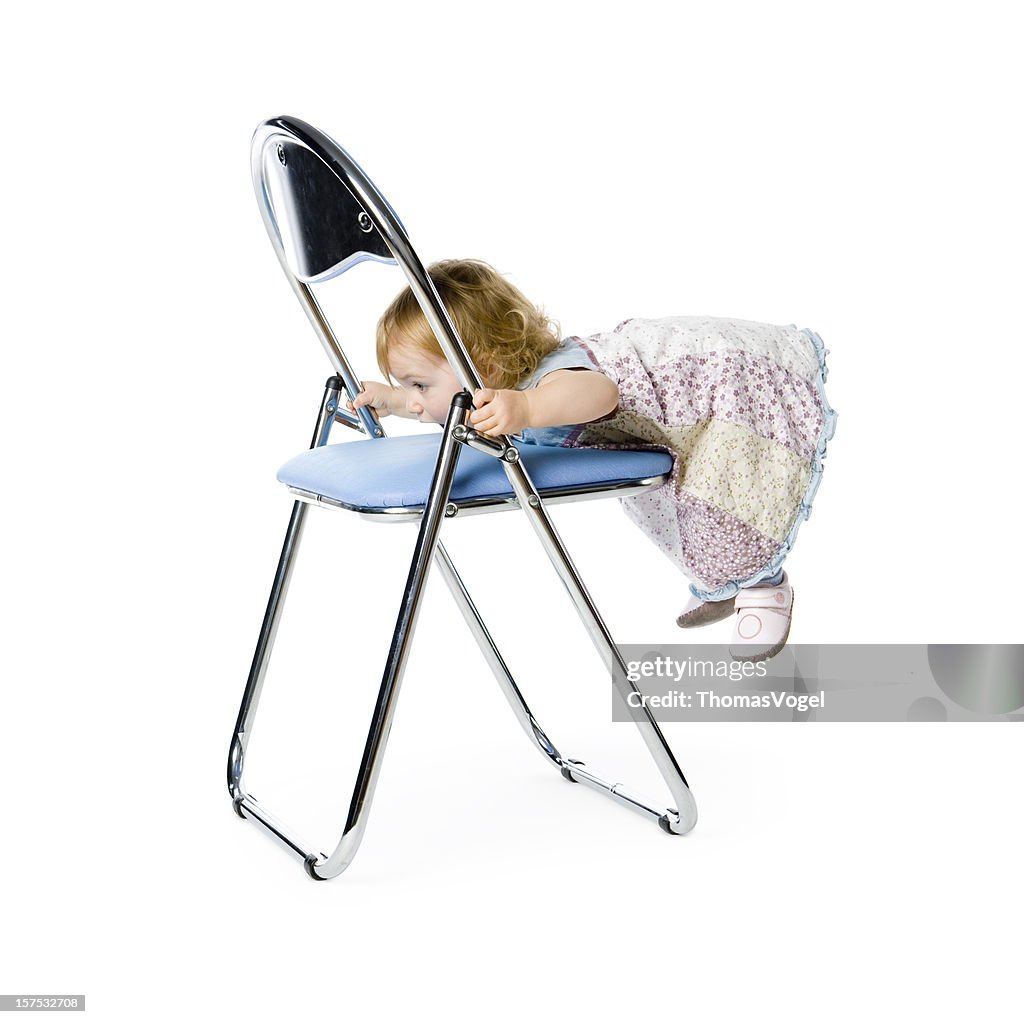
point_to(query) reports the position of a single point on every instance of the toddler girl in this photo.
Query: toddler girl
(740, 406)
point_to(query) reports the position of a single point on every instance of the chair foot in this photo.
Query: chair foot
(666, 826)
(237, 804)
(310, 865)
(567, 775)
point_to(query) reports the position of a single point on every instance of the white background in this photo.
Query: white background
(851, 168)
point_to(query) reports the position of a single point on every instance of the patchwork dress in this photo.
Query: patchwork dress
(741, 407)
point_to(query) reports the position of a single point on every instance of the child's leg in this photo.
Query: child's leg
(698, 612)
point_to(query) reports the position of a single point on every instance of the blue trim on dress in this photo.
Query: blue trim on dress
(828, 429)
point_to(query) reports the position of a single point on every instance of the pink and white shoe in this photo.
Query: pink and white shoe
(763, 618)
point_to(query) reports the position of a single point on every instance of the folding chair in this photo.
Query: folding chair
(324, 215)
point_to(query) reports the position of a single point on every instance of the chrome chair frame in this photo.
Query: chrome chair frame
(364, 211)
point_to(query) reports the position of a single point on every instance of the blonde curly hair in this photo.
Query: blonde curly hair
(505, 334)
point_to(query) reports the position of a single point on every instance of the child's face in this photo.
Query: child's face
(427, 381)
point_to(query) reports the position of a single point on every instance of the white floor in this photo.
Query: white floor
(853, 170)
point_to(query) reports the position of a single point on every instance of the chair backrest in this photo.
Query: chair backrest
(324, 215)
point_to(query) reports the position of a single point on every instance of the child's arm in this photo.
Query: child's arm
(561, 397)
(386, 400)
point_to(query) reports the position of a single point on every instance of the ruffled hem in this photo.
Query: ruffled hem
(828, 430)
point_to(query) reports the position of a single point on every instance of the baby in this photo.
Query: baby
(739, 405)
(514, 347)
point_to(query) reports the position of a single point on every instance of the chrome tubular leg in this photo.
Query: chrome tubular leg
(401, 643)
(497, 663)
(265, 644)
(268, 632)
(676, 820)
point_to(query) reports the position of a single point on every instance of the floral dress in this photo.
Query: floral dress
(741, 407)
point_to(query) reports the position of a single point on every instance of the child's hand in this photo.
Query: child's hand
(500, 412)
(377, 395)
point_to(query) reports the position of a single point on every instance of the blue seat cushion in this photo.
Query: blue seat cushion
(395, 472)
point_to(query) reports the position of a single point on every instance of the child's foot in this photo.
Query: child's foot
(763, 618)
(702, 613)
